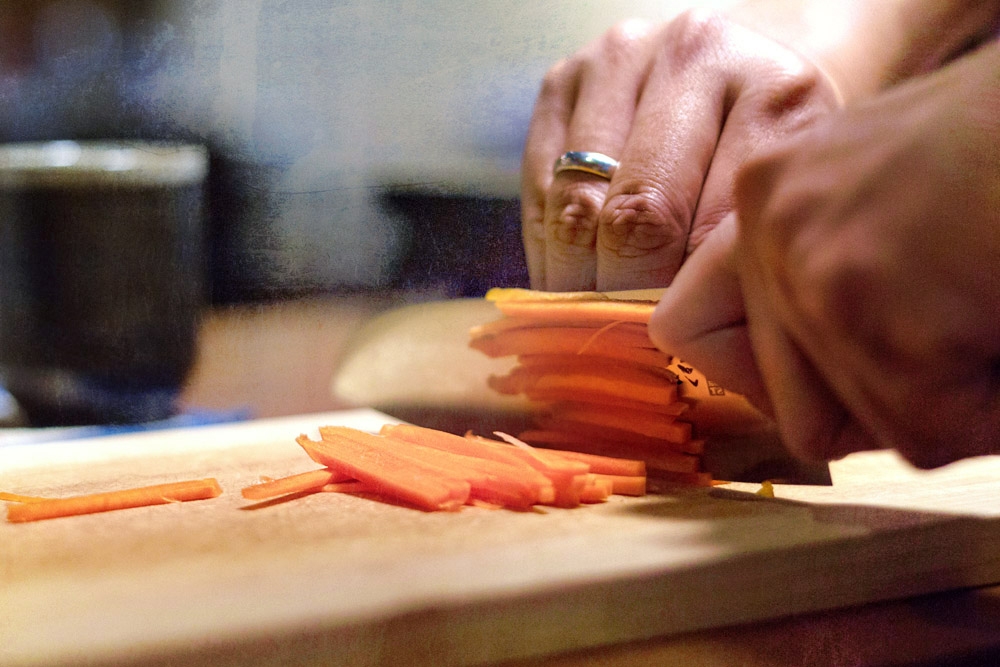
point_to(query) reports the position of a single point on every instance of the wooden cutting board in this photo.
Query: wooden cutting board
(347, 580)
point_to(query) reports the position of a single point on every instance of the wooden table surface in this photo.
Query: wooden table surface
(278, 360)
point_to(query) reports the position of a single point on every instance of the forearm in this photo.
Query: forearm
(867, 45)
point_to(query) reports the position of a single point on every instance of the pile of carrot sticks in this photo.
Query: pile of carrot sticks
(434, 470)
(598, 383)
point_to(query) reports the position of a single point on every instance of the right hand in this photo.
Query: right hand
(681, 106)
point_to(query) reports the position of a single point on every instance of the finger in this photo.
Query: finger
(812, 421)
(611, 75)
(812, 417)
(546, 138)
(643, 227)
(774, 99)
(701, 317)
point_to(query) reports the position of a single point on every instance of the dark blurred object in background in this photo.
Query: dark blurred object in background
(102, 277)
(459, 245)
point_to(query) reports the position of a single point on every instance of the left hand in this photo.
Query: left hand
(681, 105)
(858, 297)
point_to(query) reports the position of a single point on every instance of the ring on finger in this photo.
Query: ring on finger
(588, 162)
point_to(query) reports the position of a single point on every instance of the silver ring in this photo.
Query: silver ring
(597, 164)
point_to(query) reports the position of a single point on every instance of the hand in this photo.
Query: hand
(681, 106)
(858, 299)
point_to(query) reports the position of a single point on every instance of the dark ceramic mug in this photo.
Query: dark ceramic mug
(102, 277)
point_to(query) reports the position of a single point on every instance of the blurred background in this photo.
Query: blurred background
(356, 145)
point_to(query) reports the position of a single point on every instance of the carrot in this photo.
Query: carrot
(518, 293)
(613, 343)
(351, 486)
(157, 494)
(596, 490)
(646, 424)
(600, 464)
(566, 382)
(579, 312)
(507, 484)
(366, 457)
(625, 485)
(312, 480)
(655, 455)
(562, 474)
(482, 447)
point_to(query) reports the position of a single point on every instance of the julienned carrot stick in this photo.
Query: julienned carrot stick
(516, 486)
(657, 457)
(562, 474)
(596, 490)
(157, 494)
(519, 293)
(579, 312)
(365, 457)
(598, 463)
(352, 486)
(650, 425)
(312, 480)
(614, 343)
(481, 447)
(566, 383)
(625, 485)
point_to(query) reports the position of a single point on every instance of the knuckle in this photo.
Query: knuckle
(623, 39)
(575, 220)
(559, 78)
(694, 34)
(801, 91)
(644, 221)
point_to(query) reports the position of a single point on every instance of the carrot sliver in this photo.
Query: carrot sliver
(481, 447)
(625, 485)
(582, 311)
(596, 490)
(365, 457)
(614, 343)
(351, 486)
(157, 494)
(513, 486)
(598, 463)
(298, 483)
(522, 294)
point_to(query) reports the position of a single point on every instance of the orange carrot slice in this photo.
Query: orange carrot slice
(565, 383)
(366, 457)
(352, 486)
(519, 293)
(625, 485)
(301, 482)
(512, 486)
(157, 494)
(579, 312)
(562, 474)
(610, 343)
(481, 447)
(596, 490)
(649, 425)
(598, 463)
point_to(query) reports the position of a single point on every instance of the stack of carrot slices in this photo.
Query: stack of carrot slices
(435, 470)
(599, 383)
